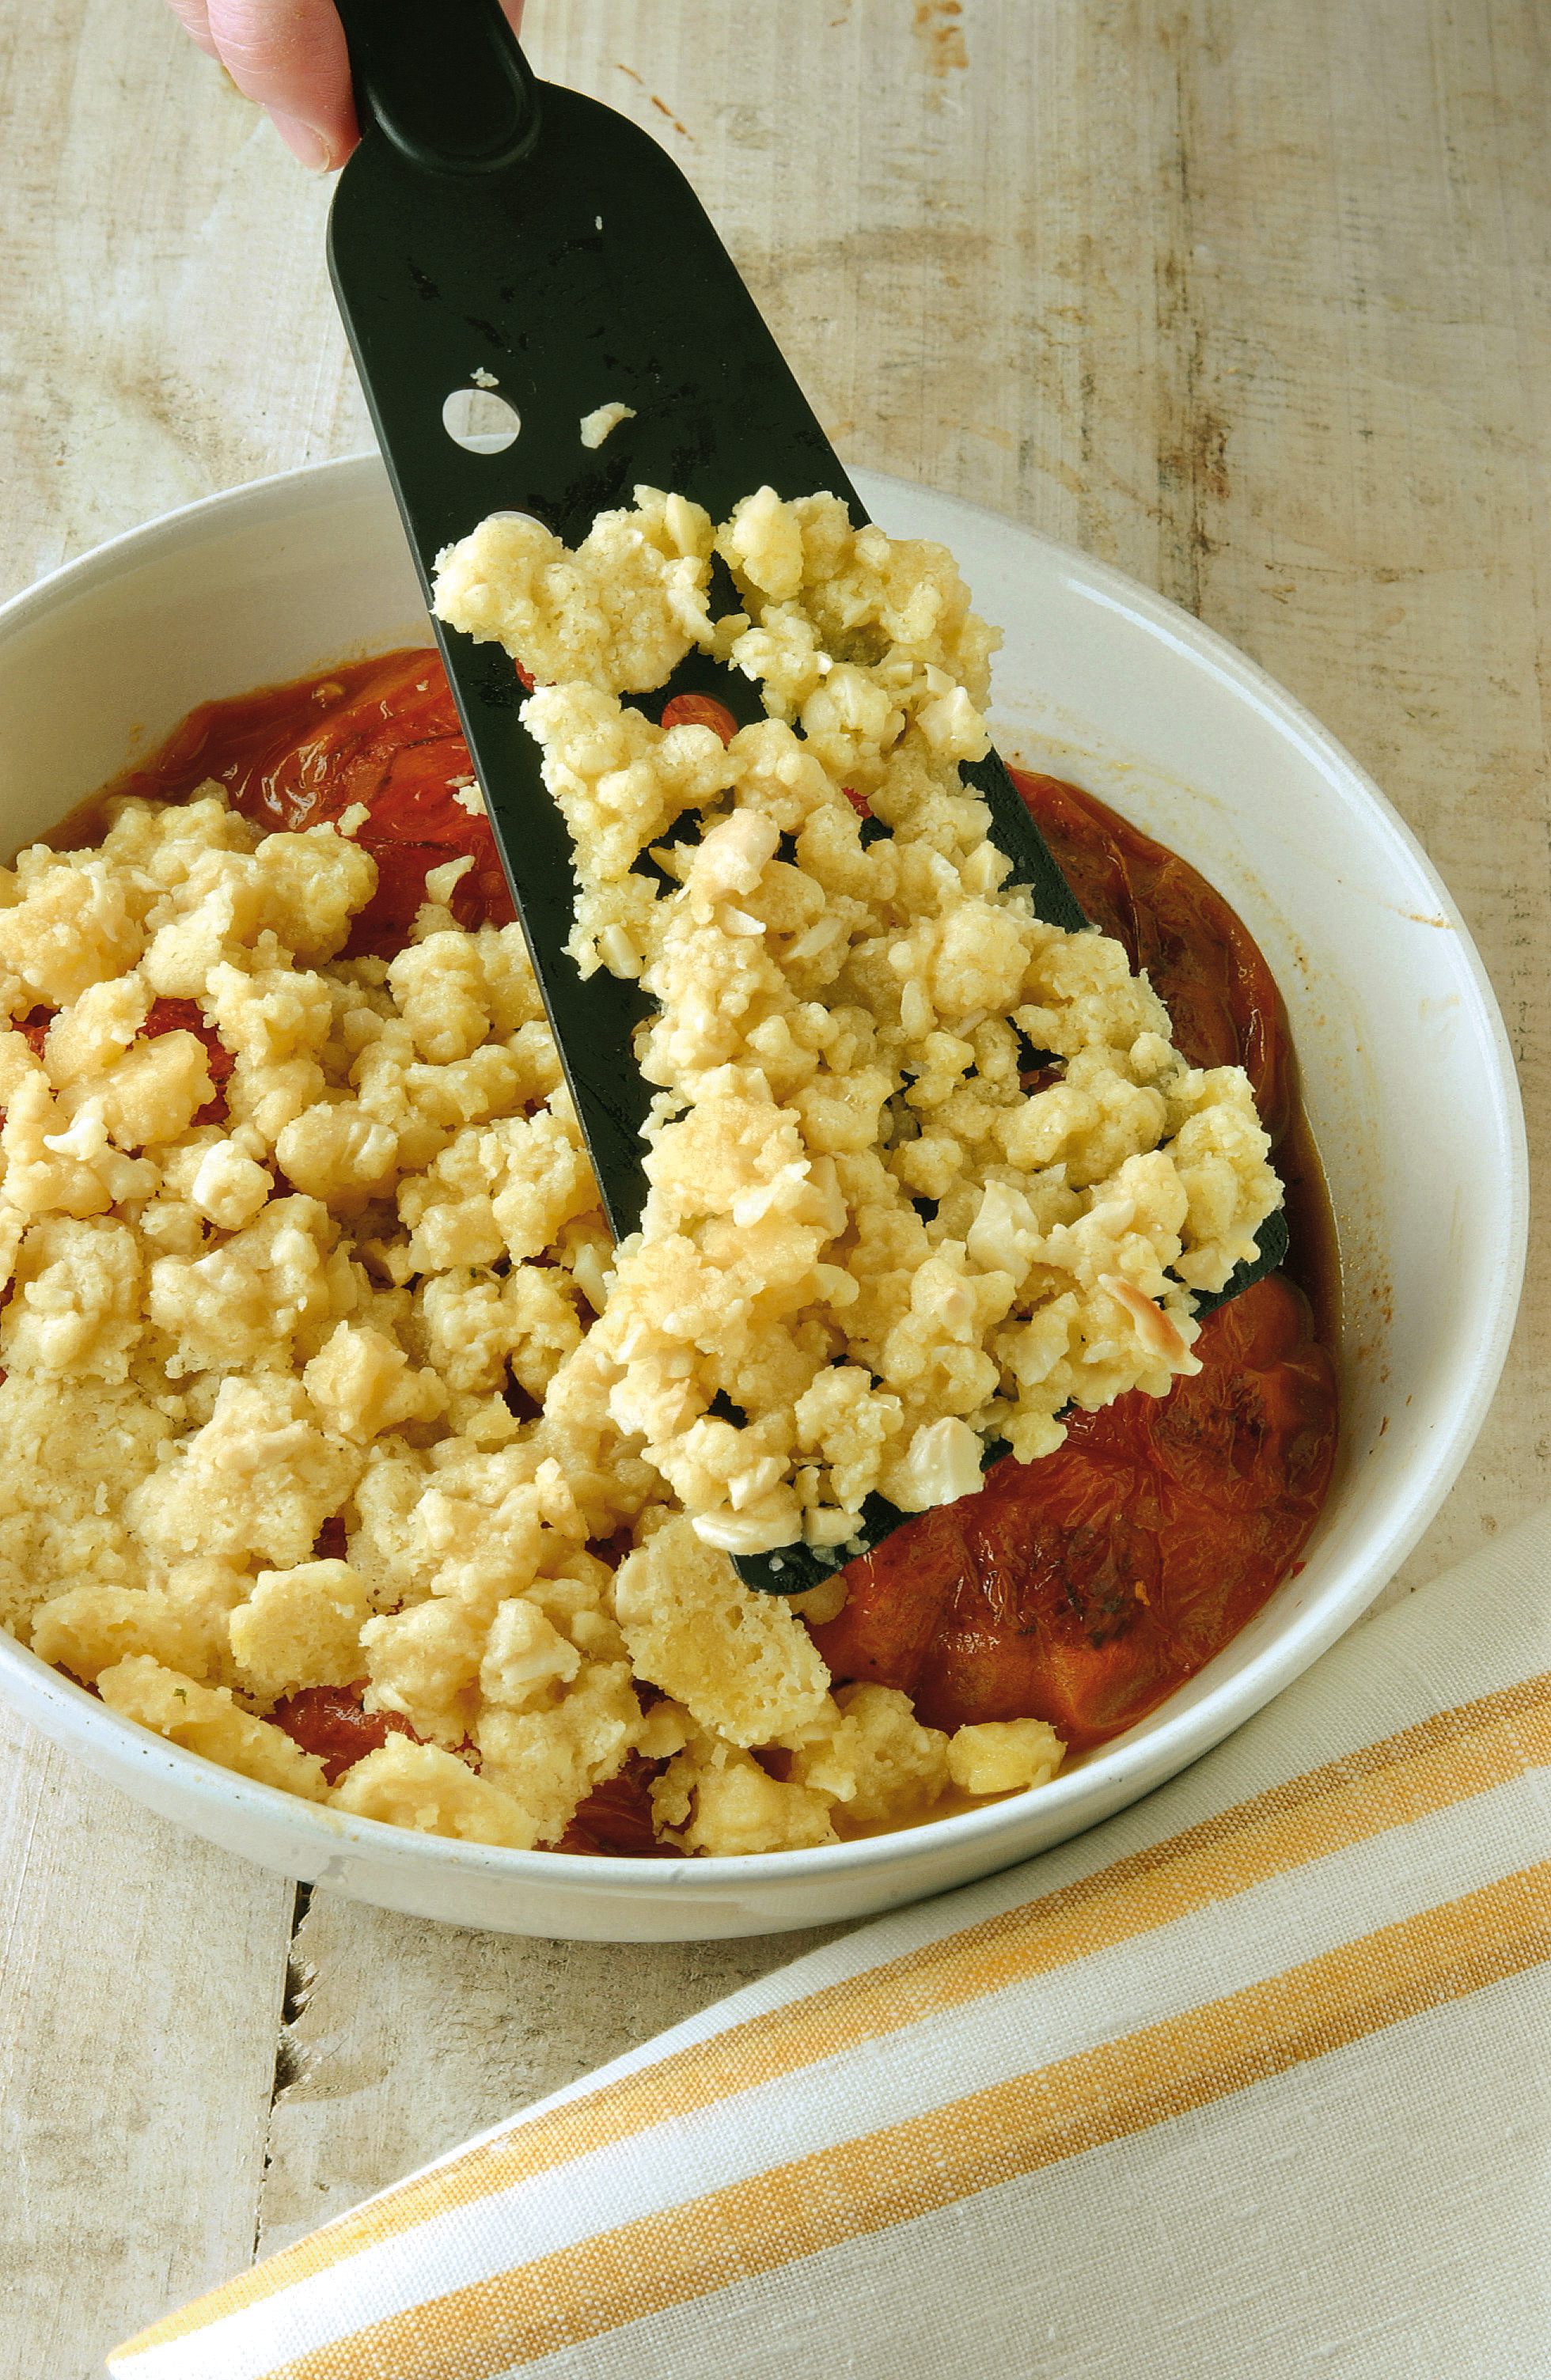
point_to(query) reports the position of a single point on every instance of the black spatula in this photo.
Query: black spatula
(511, 256)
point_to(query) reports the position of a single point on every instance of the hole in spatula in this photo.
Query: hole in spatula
(480, 421)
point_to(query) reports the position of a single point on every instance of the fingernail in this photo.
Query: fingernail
(303, 143)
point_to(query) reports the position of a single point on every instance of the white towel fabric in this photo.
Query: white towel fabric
(1255, 2079)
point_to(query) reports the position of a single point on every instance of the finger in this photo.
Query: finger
(193, 16)
(292, 59)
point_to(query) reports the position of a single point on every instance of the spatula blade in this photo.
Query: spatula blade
(497, 234)
(581, 272)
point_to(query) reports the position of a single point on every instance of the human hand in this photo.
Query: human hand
(289, 55)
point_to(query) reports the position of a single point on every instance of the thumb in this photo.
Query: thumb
(292, 59)
(290, 56)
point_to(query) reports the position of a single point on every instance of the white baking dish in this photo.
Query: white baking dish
(1406, 1068)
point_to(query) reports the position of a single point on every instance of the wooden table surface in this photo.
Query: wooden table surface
(1250, 301)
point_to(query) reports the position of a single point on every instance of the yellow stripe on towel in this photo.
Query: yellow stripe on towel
(1446, 1759)
(932, 2161)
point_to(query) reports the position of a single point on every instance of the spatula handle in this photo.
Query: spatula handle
(443, 79)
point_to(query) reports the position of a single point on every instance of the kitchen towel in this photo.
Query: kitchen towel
(1254, 2078)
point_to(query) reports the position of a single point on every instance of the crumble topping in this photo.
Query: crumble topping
(329, 1256)
(865, 1235)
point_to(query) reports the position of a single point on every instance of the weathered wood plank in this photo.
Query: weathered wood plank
(143, 1974)
(1252, 302)
(169, 327)
(406, 2037)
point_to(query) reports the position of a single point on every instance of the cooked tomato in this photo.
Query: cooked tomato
(383, 734)
(1083, 1588)
(615, 1821)
(331, 1722)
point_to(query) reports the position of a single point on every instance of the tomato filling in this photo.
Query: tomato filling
(334, 1723)
(382, 734)
(1083, 1588)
